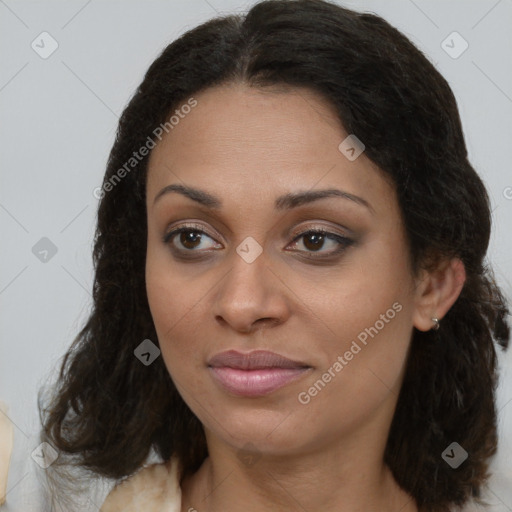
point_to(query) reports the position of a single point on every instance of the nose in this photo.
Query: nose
(251, 296)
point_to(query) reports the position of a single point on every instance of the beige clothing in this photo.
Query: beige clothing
(154, 488)
(6, 444)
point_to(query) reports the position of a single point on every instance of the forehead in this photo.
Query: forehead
(251, 143)
(245, 121)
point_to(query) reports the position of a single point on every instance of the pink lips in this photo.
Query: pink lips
(254, 374)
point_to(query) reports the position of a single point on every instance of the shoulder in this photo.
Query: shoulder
(149, 489)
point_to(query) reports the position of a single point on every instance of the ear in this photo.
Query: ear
(436, 291)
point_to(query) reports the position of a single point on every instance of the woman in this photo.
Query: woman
(292, 307)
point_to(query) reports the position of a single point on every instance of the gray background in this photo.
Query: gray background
(58, 121)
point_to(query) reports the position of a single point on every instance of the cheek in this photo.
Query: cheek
(364, 366)
(370, 309)
(173, 302)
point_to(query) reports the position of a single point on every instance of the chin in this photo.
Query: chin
(265, 428)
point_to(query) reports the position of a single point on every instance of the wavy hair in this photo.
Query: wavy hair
(107, 411)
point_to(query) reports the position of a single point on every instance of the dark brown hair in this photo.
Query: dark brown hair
(108, 410)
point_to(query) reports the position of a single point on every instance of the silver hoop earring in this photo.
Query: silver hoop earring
(436, 325)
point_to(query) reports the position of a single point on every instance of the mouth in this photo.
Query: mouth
(257, 373)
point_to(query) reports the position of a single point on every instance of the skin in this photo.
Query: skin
(248, 146)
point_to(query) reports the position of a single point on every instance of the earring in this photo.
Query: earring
(436, 325)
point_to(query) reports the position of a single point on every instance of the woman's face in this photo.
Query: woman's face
(246, 276)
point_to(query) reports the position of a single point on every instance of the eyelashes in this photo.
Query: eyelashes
(191, 237)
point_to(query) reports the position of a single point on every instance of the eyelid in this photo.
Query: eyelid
(342, 240)
(322, 227)
(291, 233)
(187, 225)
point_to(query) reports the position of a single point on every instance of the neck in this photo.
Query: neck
(327, 480)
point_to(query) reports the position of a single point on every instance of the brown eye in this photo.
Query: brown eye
(189, 240)
(315, 240)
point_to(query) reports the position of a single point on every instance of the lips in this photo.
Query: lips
(254, 374)
(256, 360)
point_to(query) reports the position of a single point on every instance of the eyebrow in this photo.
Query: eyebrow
(284, 202)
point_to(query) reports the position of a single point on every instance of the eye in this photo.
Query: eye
(189, 240)
(192, 236)
(314, 240)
